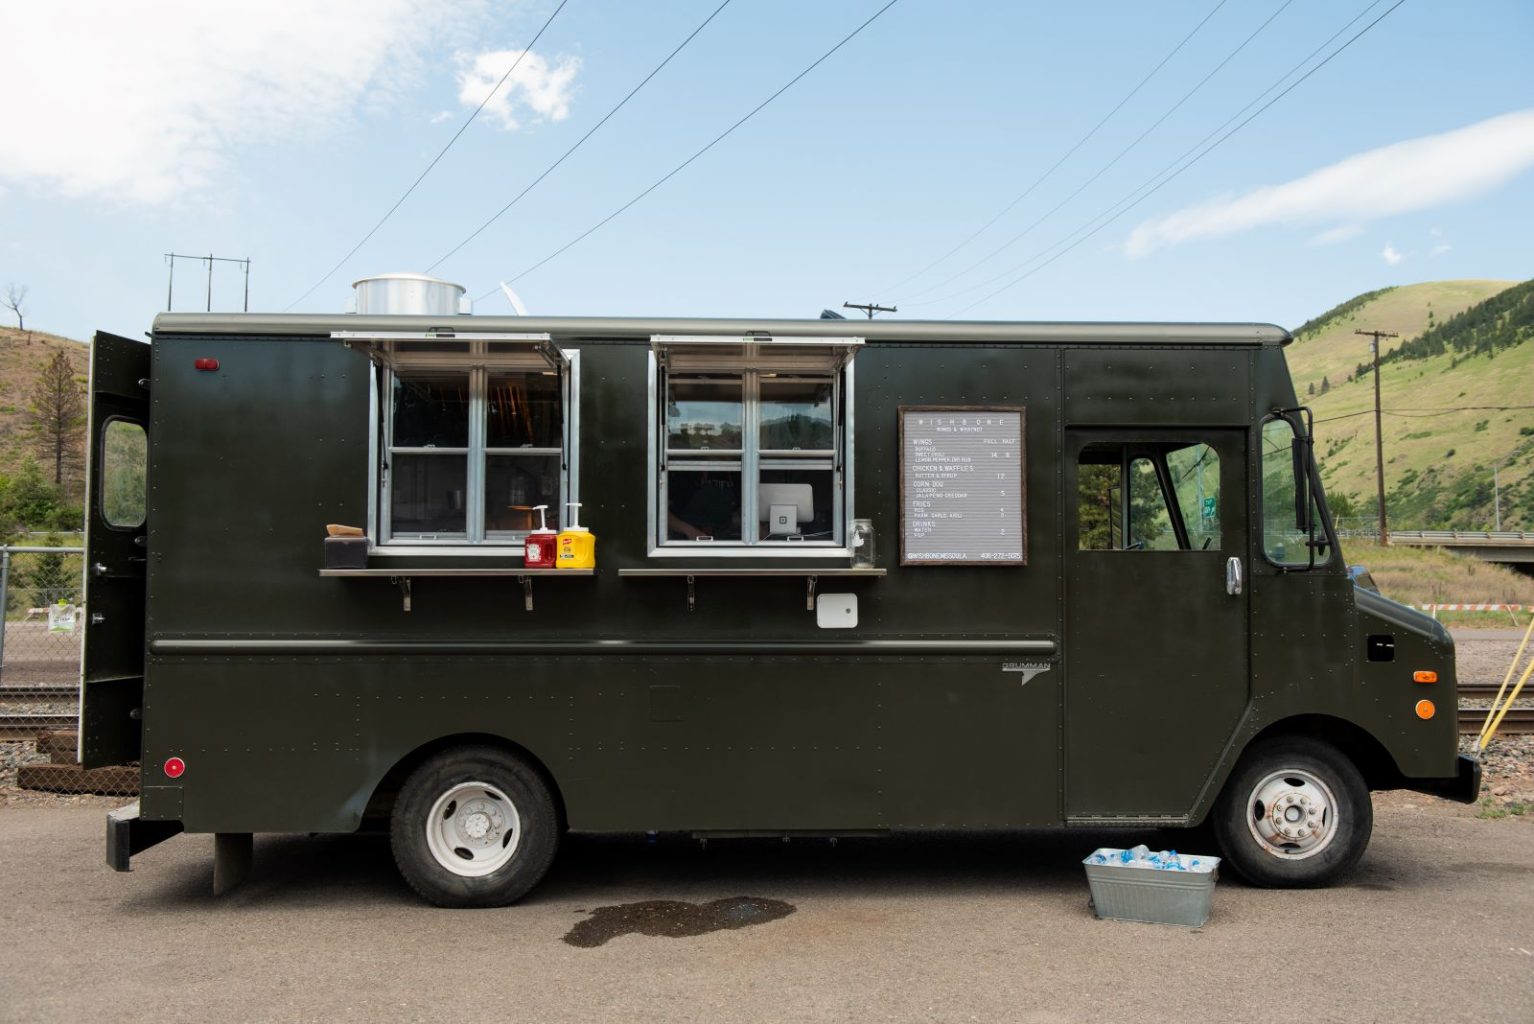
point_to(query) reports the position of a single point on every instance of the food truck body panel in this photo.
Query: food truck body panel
(1084, 686)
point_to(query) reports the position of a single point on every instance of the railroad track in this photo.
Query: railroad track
(43, 692)
(1517, 722)
(27, 726)
(1489, 690)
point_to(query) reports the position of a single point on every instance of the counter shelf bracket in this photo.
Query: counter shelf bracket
(404, 588)
(692, 597)
(527, 591)
(809, 594)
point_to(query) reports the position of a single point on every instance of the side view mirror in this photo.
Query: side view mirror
(1301, 484)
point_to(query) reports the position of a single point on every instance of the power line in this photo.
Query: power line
(716, 140)
(1425, 414)
(1152, 179)
(1167, 180)
(1105, 168)
(548, 170)
(434, 161)
(1067, 155)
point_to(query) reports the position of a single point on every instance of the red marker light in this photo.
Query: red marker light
(206, 364)
(174, 767)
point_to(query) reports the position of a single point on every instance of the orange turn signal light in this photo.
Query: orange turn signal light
(1425, 709)
(1425, 675)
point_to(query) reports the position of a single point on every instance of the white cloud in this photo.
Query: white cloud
(146, 102)
(1439, 250)
(1413, 175)
(1341, 233)
(1391, 255)
(441, 115)
(537, 86)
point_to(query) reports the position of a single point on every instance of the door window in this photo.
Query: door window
(124, 462)
(1148, 497)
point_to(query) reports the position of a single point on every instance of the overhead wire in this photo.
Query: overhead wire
(1105, 168)
(968, 289)
(714, 142)
(1424, 414)
(1129, 202)
(434, 160)
(581, 141)
(1065, 156)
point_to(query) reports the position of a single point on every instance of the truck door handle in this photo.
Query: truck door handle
(1233, 576)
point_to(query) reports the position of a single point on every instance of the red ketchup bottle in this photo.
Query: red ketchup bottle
(539, 548)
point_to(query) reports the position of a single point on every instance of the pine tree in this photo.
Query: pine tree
(50, 579)
(1312, 387)
(1326, 385)
(57, 415)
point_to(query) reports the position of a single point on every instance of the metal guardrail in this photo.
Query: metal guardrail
(1463, 538)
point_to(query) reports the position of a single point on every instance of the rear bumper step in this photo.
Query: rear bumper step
(129, 834)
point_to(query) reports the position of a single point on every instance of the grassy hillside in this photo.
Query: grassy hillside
(22, 357)
(1441, 442)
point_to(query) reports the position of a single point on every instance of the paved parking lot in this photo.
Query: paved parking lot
(1437, 925)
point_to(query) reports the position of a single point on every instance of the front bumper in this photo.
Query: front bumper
(128, 834)
(1464, 787)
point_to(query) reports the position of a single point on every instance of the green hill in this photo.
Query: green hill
(1465, 348)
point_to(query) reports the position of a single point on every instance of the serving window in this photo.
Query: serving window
(751, 442)
(471, 435)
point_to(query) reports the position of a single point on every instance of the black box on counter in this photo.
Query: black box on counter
(346, 552)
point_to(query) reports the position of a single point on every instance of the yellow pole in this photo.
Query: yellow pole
(1491, 730)
(1505, 679)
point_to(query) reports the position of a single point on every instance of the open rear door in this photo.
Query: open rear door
(116, 516)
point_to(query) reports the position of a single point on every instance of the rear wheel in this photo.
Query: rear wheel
(474, 827)
(1295, 813)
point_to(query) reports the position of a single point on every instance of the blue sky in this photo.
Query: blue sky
(283, 134)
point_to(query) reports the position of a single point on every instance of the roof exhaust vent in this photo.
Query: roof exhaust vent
(408, 295)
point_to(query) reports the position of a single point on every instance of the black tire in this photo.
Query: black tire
(482, 775)
(1278, 863)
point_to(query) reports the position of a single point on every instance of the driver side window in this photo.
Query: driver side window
(1286, 536)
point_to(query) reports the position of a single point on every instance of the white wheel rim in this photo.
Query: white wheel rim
(1292, 814)
(473, 829)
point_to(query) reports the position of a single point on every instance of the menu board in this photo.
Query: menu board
(961, 485)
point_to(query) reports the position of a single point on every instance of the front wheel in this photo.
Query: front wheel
(1294, 814)
(474, 827)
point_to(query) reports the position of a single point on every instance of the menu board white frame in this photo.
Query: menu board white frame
(1021, 466)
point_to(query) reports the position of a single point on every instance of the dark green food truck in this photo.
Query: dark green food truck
(849, 578)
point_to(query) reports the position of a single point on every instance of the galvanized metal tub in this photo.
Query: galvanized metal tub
(1154, 896)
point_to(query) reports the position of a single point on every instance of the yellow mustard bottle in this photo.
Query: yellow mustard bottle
(577, 546)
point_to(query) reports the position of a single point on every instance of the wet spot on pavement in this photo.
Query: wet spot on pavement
(674, 919)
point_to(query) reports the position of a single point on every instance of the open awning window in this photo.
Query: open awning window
(457, 349)
(680, 353)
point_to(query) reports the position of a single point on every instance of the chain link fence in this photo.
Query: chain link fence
(41, 591)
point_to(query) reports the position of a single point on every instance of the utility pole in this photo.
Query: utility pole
(869, 308)
(1379, 437)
